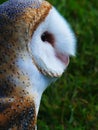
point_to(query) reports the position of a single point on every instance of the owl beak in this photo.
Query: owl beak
(63, 58)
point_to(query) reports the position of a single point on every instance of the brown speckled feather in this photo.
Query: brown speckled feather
(17, 24)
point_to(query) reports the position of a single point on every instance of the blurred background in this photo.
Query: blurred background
(72, 102)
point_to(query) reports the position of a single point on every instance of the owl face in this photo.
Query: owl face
(51, 45)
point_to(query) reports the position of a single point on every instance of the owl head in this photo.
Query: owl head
(38, 29)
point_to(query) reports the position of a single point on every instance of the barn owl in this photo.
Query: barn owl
(35, 45)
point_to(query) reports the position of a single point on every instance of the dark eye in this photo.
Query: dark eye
(48, 37)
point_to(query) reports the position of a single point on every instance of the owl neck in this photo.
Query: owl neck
(36, 82)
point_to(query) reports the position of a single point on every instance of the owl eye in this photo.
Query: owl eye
(48, 37)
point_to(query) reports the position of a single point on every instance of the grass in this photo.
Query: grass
(72, 102)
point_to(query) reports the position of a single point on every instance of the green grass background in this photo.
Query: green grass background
(72, 102)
